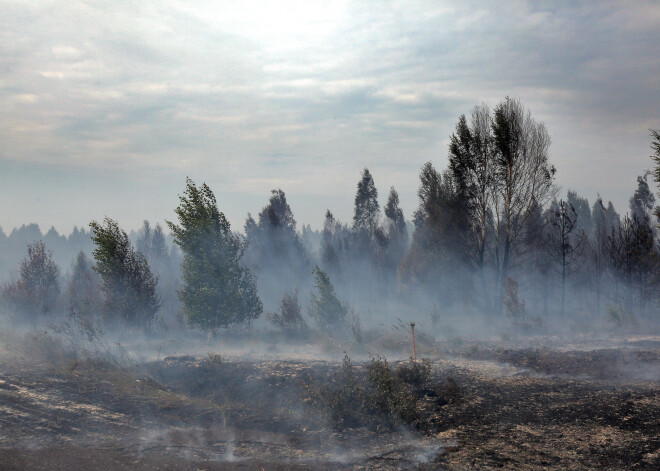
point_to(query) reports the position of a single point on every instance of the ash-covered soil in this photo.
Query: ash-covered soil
(511, 408)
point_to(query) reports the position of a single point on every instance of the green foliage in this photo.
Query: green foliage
(326, 309)
(367, 211)
(655, 145)
(129, 286)
(415, 373)
(218, 290)
(289, 317)
(37, 288)
(380, 398)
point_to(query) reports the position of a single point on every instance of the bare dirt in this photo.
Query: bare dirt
(517, 408)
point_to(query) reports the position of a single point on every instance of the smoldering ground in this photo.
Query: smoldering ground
(530, 404)
(280, 348)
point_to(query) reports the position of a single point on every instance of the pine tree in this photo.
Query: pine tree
(397, 232)
(218, 290)
(367, 212)
(563, 240)
(326, 309)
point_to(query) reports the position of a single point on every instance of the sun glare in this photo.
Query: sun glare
(267, 21)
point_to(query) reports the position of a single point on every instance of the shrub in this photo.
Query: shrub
(415, 373)
(380, 398)
(289, 317)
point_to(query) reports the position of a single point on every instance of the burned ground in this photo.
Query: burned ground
(482, 408)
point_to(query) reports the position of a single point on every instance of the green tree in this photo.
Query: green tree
(129, 286)
(37, 288)
(367, 211)
(326, 309)
(218, 290)
(655, 145)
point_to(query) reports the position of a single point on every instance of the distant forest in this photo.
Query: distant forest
(491, 236)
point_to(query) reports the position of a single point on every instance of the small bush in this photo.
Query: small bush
(289, 317)
(415, 373)
(382, 398)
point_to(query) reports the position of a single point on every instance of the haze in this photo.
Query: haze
(106, 107)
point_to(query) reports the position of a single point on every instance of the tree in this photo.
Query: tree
(440, 250)
(151, 243)
(325, 308)
(655, 145)
(563, 240)
(275, 252)
(37, 288)
(217, 290)
(583, 211)
(472, 164)
(273, 241)
(84, 290)
(367, 212)
(634, 257)
(642, 201)
(289, 317)
(129, 286)
(397, 232)
(524, 176)
(335, 244)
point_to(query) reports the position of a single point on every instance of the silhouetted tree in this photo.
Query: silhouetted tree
(564, 240)
(440, 251)
(472, 165)
(397, 232)
(523, 173)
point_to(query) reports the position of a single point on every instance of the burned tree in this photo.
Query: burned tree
(564, 241)
(523, 175)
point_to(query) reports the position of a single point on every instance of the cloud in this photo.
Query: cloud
(251, 93)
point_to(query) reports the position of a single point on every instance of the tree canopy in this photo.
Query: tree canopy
(217, 289)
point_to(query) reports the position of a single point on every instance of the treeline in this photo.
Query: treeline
(490, 235)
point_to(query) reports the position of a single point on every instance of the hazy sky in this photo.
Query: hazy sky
(106, 106)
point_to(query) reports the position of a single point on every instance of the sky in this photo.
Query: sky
(107, 106)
